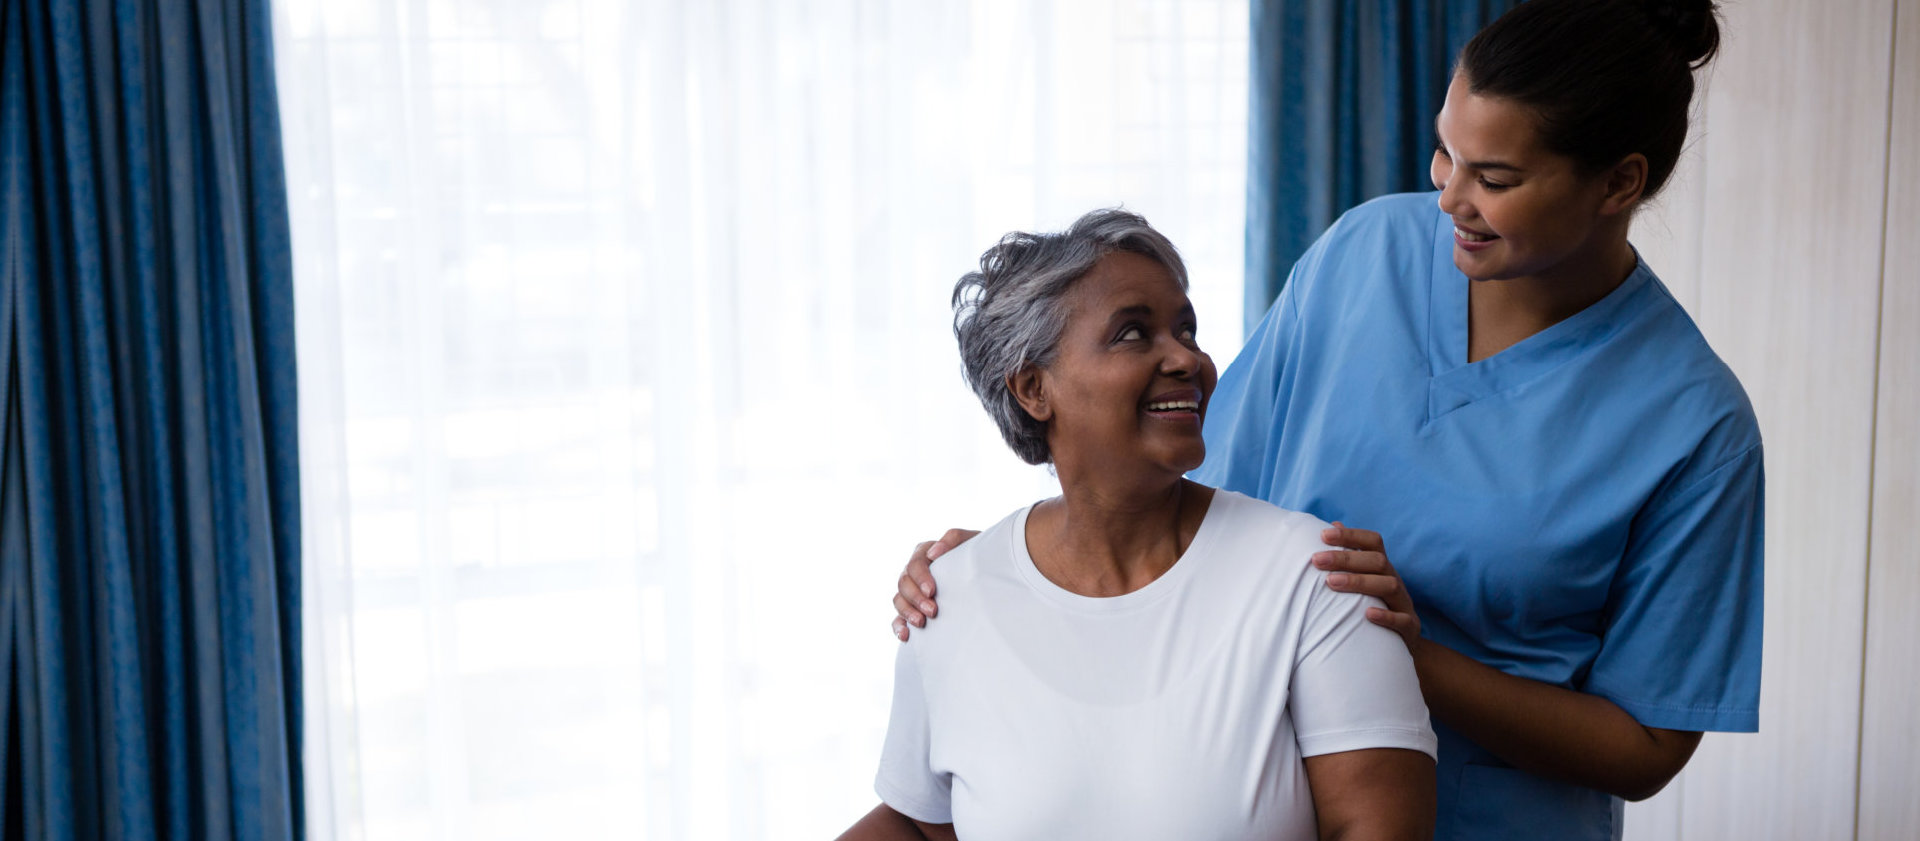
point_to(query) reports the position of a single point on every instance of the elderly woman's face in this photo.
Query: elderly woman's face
(1129, 385)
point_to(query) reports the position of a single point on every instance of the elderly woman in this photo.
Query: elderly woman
(1141, 656)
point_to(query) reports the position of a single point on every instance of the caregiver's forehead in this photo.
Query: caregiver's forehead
(1488, 132)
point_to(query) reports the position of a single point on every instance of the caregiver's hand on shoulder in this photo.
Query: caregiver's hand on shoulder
(1360, 565)
(914, 603)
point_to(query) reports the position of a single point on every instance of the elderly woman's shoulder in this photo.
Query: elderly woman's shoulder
(1283, 528)
(1265, 553)
(988, 553)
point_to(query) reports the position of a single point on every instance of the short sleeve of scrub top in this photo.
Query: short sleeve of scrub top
(1582, 509)
(1675, 606)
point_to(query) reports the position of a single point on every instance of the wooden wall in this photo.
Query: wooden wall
(1792, 234)
(1890, 715)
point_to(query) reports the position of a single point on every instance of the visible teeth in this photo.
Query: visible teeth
(1169, 406)
(1470, 236)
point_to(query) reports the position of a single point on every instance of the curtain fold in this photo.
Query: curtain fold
(149, 529)
(1343, 95)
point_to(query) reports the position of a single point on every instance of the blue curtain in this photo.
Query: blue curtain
(1343, 98)
(149, 521)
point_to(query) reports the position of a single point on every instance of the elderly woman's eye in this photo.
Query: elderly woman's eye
(1186, 333)
(1130, 333)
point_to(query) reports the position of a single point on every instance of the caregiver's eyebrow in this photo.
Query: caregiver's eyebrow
(1480, 165)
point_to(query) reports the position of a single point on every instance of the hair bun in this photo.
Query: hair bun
(1693, 25)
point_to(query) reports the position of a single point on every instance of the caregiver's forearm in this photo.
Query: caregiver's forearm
(1547, 730)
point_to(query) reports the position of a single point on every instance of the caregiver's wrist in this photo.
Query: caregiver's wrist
(1430, 659)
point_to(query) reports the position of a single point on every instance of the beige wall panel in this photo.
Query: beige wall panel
(1658, 817)
(1667, 231)
(1790, 255)
(1890, 710)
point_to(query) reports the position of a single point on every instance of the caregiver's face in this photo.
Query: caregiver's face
(1519, 210)
(1130, 384)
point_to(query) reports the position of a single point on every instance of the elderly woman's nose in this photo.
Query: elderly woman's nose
(1179, 360)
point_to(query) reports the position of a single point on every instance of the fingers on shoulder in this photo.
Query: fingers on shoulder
(906, 611)
(948, 542)
(1383, 587)
(920, 551)
(1352, 538)
(1401, 623)
(1353, 560)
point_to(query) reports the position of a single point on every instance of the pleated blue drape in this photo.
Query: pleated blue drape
(149, 522)
(1343, 98)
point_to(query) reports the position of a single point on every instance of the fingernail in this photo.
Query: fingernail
(1323, 559)
(920, 622)
(926, 607)
(1338, 579)
(935, 551)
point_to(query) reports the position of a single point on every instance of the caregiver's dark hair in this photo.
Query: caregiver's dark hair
(1604, 78)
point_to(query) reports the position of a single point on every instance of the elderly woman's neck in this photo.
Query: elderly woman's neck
(1102, 541)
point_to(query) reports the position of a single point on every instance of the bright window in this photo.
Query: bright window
(627, 378)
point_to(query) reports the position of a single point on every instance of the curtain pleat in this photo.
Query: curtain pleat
(149, 595)
(1343, 96)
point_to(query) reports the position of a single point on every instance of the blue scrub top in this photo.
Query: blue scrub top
(1583, 508)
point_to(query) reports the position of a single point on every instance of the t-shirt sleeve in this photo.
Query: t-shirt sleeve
(1353, 681)
(1681, 648)
(907, 781)
(1240, 423)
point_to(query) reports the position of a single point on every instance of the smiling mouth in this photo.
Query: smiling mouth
(1171, 409)
(1472, 236)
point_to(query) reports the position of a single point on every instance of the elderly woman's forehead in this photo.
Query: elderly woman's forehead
(1123, 269)
(1144, 287)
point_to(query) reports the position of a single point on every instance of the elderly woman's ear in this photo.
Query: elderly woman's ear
(1026, 387)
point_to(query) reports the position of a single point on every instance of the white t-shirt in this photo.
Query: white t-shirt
(1180, 710)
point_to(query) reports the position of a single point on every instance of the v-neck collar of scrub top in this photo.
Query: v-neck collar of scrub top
(1454, 382)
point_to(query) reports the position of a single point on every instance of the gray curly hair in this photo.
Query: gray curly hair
(1011, 312)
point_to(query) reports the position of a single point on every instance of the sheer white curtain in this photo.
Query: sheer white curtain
(627, 380)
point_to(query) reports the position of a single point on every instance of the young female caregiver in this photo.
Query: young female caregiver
(1568, 477)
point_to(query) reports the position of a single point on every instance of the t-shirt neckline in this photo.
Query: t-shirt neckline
(1155, 590)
